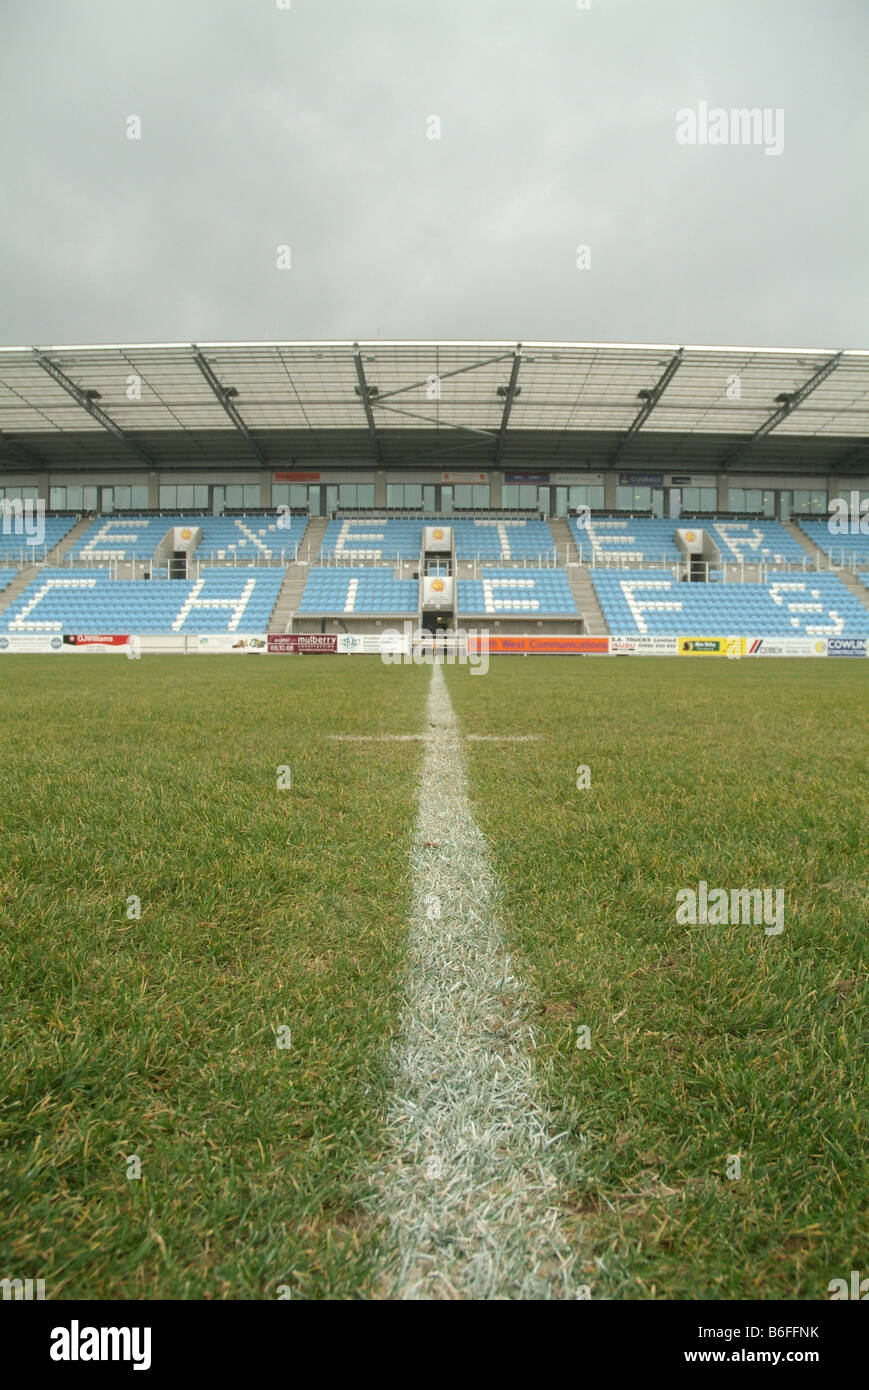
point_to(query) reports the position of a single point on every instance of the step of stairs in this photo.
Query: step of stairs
(856, 586)
(848, 579)
(563, 538)
(309, 546)
(807, 543)
(585, 598)
(22, 578)
(297, 575)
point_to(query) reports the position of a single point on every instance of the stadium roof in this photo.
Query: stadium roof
(591, 405)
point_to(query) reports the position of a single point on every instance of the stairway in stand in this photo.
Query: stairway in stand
(297, 575)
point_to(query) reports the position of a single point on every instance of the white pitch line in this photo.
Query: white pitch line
(377, 738)
(421, 738)
(502, 738)
(470, 1190)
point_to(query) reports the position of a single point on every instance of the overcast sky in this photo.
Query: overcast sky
(308, 127)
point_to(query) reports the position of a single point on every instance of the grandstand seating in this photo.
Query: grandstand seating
(6, 578)
(516, 591)
(852, 548)
(221, 600)
(401, 538)
(646, 540)
(358, 590)
(815, 605)
(223, 537)
(12, 543)
(501, 540)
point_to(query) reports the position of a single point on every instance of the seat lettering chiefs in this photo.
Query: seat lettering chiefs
(612, 538)
(356, 536)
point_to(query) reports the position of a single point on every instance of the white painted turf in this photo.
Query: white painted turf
(470, 1193)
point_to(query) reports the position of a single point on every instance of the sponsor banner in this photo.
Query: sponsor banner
(232, 642)
(526, 477)
(98, 639)
(31, 642)
(373, 643)
(464, 477)
(438, 539)
(678, 482)
(576, 478)
(846, 646)
(437, 591)
(641, 479)
(301, 642)
(711, 646)
(644, 646)
(297, 477)
(785, 646)
(538, 646)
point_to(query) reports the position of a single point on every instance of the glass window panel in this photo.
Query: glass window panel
(736, 499)
(251, 495)
(708, 499)
(167, 495)
(57, 499)
(298, 495)
(74, 498)
(234, 496)
(365, 495)
(510, 496)
(139, 497)
(200, 496)
(624, 498)
(480, 495)
(281, 495)
(90, 499)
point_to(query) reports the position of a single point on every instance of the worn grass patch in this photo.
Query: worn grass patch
(706, 1041)
(157, 1037)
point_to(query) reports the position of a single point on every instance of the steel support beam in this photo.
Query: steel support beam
(787, 407)
(512, 391)
(87, 403)
(227, 402)
(650, 401)
(365, 392)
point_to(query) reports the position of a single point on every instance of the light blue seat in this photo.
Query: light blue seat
(19, 544)
(516, 593)
(221, 600)
(851, 548)
(127, 538)
(788, 605)
(358, 589)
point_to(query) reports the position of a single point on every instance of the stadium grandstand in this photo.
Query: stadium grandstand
(339, 487)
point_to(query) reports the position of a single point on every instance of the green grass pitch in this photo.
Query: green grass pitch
(264, 909)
